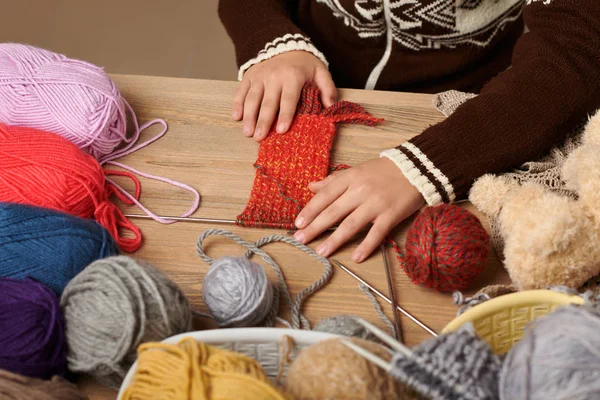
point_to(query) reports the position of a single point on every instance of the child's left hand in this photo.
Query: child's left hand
(373, 192)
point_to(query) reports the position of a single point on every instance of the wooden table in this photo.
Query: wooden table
(205, 149)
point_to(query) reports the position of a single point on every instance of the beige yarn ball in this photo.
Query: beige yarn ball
(331, 370)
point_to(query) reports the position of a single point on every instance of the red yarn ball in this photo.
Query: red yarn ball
(46, 170)
(446, 248)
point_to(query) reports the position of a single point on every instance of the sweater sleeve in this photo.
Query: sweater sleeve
(261, 29)
(520, 114)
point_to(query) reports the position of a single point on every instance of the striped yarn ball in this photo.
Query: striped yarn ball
(446, 248)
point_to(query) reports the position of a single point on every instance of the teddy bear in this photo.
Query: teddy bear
(549, 239)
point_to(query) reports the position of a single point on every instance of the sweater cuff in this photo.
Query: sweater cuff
(433, 185)
(282, 45)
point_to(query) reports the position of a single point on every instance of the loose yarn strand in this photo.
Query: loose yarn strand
(378, 309)
(132, 148)
(134, 199)
(298, 320)
(131, 142)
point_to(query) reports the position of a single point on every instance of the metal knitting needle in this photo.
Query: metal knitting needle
(385, 338)
(388, 276)
(383, 297)
(188, 219)
(194, 219)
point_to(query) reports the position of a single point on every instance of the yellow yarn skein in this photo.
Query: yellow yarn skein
(192, 370)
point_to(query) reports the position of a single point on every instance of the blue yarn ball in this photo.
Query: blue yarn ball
(49, 246)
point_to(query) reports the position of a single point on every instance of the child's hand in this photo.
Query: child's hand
(375, 191)
(274, 86)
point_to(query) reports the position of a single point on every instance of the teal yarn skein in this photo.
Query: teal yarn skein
(49, 246)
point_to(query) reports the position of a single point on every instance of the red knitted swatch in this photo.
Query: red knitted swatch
(288, 162)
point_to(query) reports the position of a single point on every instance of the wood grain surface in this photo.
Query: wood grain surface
(204, 148)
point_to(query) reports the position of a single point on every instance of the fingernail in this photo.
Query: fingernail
(281, 128)
(322, 250)
(299, 236)
(299, 222)
(247, 131)
(357, 256)
(235, 115)
(257, 132)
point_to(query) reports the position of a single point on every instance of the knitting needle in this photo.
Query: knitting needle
(384, 337)
(193, 219)
(188, 219)
(380, 362)
(382, 296)
(211, 220)
(388, 276)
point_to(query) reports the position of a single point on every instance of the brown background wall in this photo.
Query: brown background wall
(182, 38)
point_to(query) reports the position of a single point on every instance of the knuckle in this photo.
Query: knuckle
(379, 199)
(364, 188)
(332, 213)
(351, 225)
(273, 76)
(378, 232)
(268, 103)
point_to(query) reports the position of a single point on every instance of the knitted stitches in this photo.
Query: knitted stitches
(458, 365)
(287, 163)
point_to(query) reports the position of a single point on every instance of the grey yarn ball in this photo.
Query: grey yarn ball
(557, 358)
(344, 325)
(111, 307)
(237, 292)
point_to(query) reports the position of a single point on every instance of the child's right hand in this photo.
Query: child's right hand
(273, 86)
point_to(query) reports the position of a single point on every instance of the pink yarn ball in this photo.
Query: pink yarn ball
(75, 99)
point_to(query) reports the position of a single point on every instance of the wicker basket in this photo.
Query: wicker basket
(261, 344)
(502, 320)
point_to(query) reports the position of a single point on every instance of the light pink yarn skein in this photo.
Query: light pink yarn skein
(72, 98)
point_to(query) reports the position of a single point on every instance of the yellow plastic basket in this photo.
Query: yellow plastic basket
(502, 321)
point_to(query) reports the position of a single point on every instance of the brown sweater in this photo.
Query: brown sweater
(435, 45)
